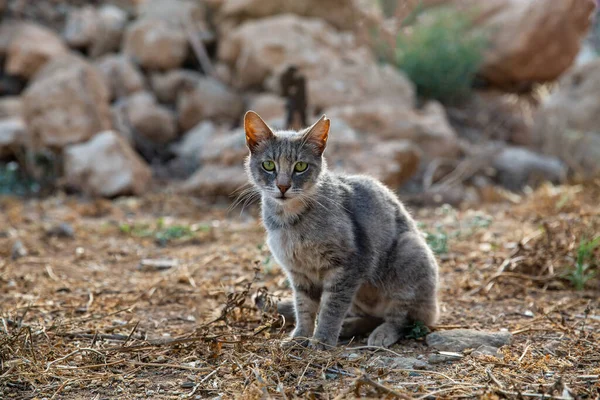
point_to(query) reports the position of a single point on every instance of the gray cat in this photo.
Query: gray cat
(351, 251)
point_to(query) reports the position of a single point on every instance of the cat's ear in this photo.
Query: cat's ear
(318, 134)
(256, 129)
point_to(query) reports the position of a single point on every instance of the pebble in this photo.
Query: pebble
(62, 230)
(18, 250)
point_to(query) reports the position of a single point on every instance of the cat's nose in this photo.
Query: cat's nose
(283, 188)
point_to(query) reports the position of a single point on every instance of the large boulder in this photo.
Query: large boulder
(342, 14)
(10, 106)
(530, 40)
(215, 181)
(106, 166)
(67, 103)
(98, 31)
(336, 69)
(30, 46)
(208, 99)
(567, 124)
(151, 120)
(158, 39)
(428, 127)
(518, 167)
(268, 106)
(123, 76)
(191, 144)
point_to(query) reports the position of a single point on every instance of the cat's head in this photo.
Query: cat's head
(285, 164)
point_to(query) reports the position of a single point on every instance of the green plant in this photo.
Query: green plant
(437, 241)
(441, 54)
(161, 232)
(418, 331)
(580, 274)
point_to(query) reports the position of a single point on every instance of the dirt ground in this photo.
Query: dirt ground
(152, 298)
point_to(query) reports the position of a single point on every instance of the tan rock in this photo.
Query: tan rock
(10, 106)
(531, 40)
(337, 71)
(342, 14)
(209, 99)
(268, 106)
(428, 127)
(106, 166)
(30, 47)
(123, 77)
(167, 86)
(194, 141)
(153, 44)
(151, 120)
(215, 181)
(66, 105)
(392, 162)
(96, 30)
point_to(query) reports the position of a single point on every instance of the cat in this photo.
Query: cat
(352, 253)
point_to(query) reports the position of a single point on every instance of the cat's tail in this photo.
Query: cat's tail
(285, 307)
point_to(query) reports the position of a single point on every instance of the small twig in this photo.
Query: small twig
(161, 365)
(328, 369)
(200, 383)
(536, 395)
(72, 354)
(368, 381)
(524, 352)
(198, 48)
(488, 371)
(131, 333)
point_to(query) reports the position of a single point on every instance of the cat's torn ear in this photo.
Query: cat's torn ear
(256, 130)
(318, 133)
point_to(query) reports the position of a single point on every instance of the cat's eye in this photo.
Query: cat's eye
(300, 166)
(268, 166)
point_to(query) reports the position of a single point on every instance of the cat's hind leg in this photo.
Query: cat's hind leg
(388, 333)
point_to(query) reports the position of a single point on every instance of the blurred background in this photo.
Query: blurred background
(130, 253)
(446, 101)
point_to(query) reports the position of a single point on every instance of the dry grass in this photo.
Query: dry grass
(81, 319)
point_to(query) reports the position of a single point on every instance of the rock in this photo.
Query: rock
(81, 27)
(443, 357)
(30, 47)
(336, 69)
(215, 181)
(227, 149)
(153, 44)
(123, 77)
(396, 363)
(485, 350)
(518, 167)
(342, 14)
(174, 12)
(151, 120)
(66, 104)
(208, 99)
(461, 339)
(167, 86)
(428, 127)
(193, 142)
(10, 106)
(62, 230)
(392, 162)
(18, 250)
(531, 40)
(268, 106)
(567, 125)
(12, 134)
(106, 166)
(113, 21)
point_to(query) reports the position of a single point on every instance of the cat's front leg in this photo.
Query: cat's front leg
(338, 293)
(306, 304)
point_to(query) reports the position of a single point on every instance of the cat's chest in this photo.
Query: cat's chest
(295, 251)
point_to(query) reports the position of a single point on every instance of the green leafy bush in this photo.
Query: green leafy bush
(441, 54)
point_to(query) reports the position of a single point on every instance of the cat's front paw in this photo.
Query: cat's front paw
(322, 344)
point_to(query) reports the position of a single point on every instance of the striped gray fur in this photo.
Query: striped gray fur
(355, 259)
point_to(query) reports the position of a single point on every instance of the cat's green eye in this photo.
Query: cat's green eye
(268, 165)
(300, 166)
